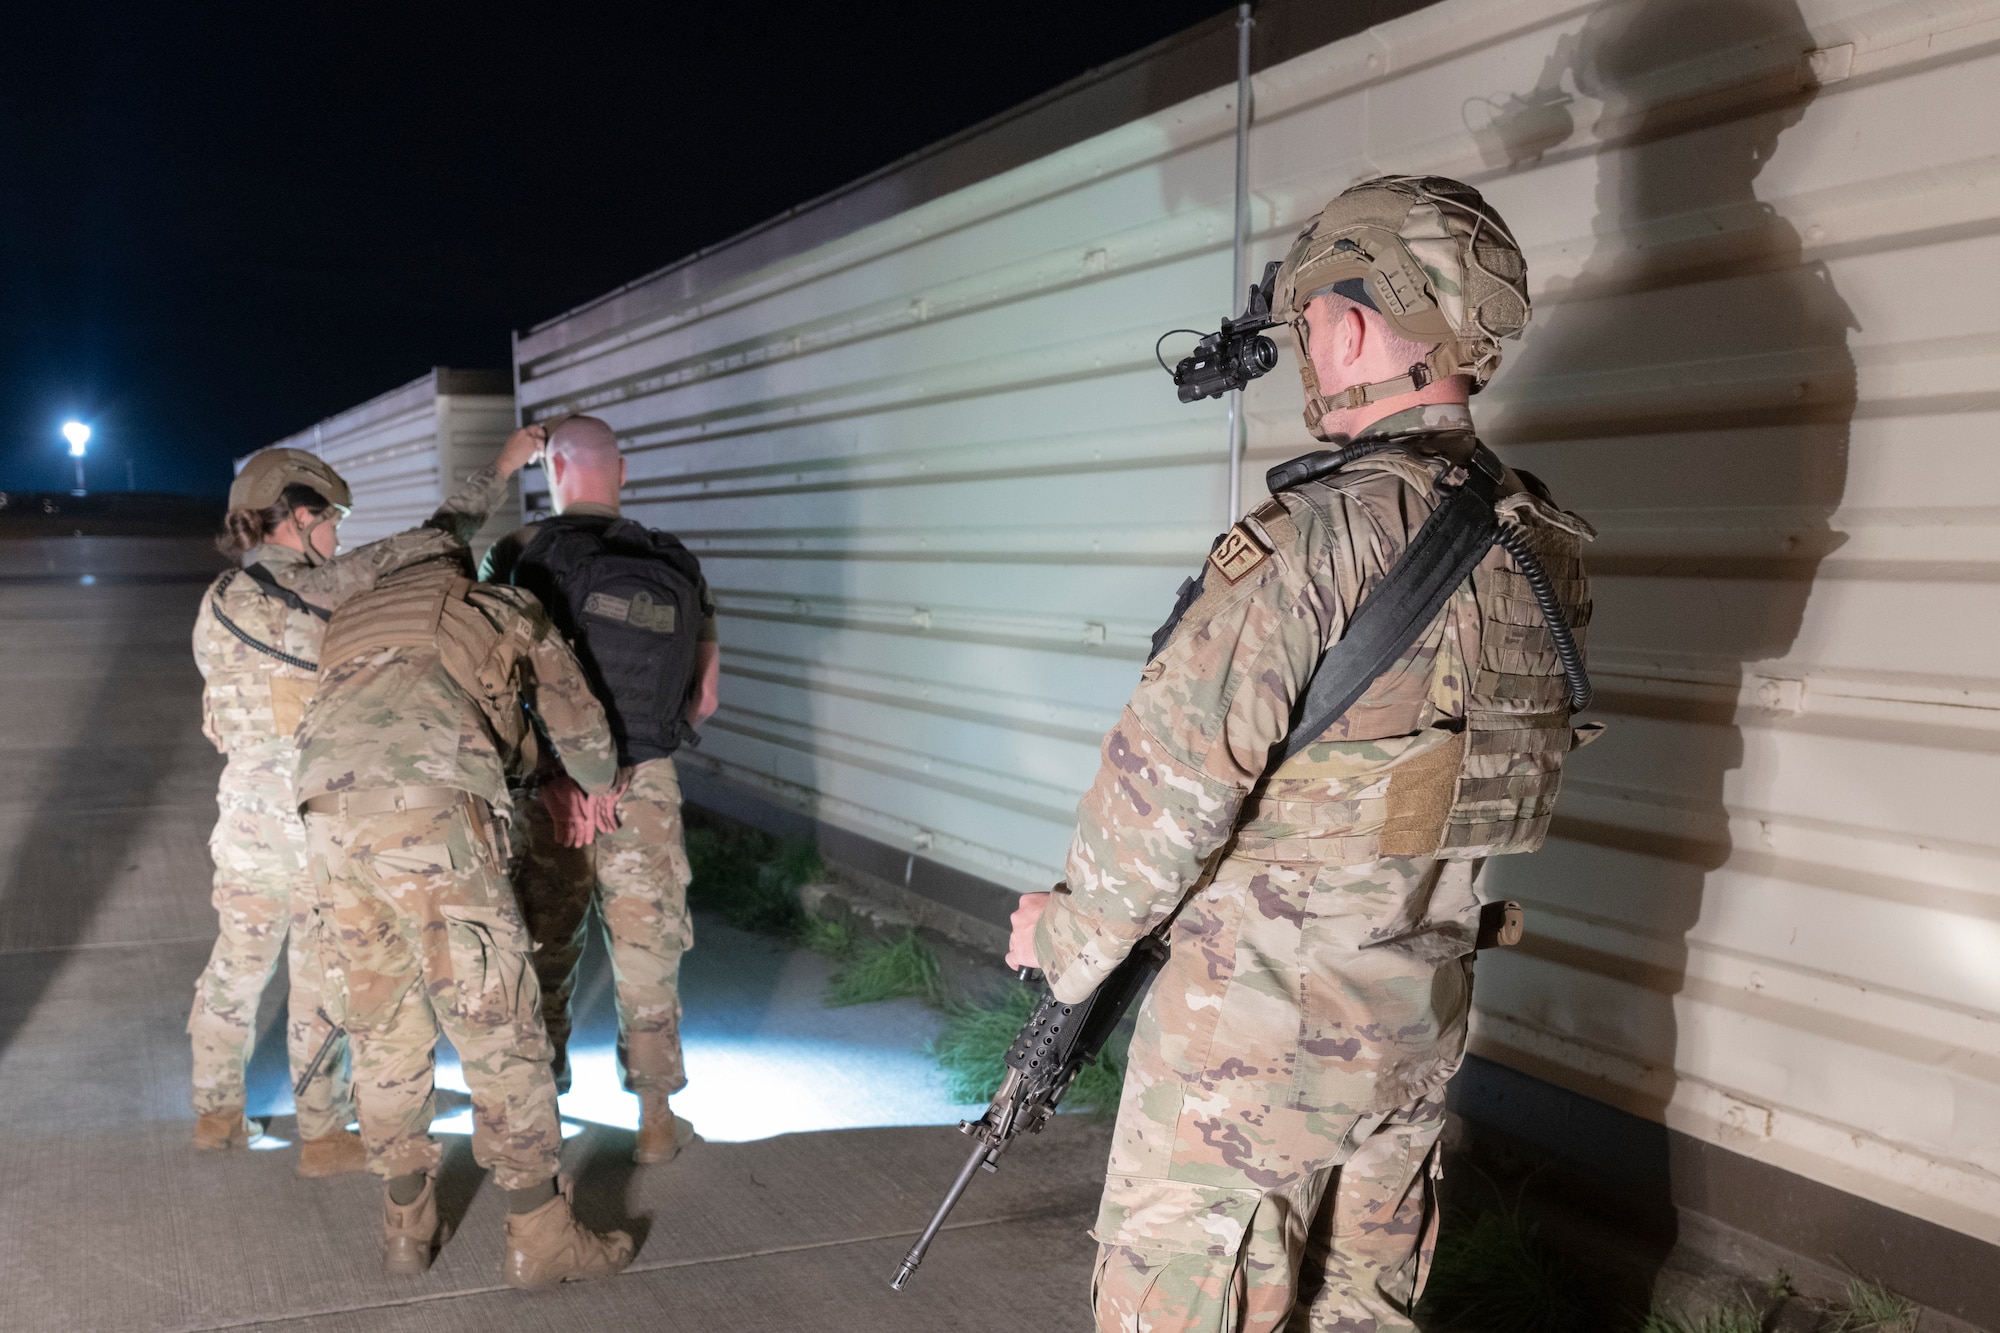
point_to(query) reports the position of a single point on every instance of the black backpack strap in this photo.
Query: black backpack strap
(1452, 541)
(268, 583)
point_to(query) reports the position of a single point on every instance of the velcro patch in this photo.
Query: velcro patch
(1237, 554)
(639, 611)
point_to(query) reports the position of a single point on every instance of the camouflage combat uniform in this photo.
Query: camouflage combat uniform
(1275, 1157)
(251, 705)
(637, 878)
(426, 932)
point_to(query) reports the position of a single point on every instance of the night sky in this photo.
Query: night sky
(220, 223)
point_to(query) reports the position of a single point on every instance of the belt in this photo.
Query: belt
(385, 800)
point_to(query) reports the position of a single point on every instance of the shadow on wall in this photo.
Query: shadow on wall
(1691, 390)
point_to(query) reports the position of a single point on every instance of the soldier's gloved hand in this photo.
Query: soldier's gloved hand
(1021, 943)
(570, 811)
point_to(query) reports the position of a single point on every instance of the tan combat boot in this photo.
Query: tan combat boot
(214, 1130)
(549, 1245)
(662, 1134)
(332, 1154)
(410, 1231)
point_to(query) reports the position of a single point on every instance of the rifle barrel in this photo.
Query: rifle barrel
(319, 1058)
(981, 1153)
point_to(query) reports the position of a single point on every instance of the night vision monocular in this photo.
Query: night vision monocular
(1232, 356)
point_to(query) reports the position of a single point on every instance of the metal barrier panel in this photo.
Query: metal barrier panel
(404, 451)
(943, 495)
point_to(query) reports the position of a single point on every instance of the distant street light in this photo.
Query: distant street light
(78, 436)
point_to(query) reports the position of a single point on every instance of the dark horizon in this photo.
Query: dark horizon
(218, 228)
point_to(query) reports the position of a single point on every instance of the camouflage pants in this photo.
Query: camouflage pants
(1274, 1154)
(263, 898)
(427, 936)
(638, 879)
(1343, 1250)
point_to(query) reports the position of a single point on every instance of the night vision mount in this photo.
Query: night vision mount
(1232, 356)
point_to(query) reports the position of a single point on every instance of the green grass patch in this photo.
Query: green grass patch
(836, 939)
(1873, 1308)
(1742, 1318)
(892, 969)
(972, 1050)
(750, 877)
(1495, 1275)
(752, 880)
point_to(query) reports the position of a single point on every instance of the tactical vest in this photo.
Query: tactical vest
(1458, 751)
(479, 634)
(252, 695)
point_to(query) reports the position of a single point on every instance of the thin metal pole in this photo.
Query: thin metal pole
(1237, 281)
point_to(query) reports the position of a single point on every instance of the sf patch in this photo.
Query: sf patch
(1237, 554)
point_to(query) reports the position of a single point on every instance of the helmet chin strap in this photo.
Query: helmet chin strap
(1439, 364)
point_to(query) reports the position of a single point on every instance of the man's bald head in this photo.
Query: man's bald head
(583, 463)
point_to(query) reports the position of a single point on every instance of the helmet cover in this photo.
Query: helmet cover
(1431, 257)
(267, 472)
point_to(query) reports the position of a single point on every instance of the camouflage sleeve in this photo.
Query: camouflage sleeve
(466, 510)
(1193, 740)
(447, 531)
(571, 718)
(205, 630)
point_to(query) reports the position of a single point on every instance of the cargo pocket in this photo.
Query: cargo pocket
(492, 985)
(473, 846)
(1174, 1216)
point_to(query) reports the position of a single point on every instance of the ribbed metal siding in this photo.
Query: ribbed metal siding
(943, 496)
(404, 451)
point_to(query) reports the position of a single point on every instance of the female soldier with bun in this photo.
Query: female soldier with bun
(256, 642)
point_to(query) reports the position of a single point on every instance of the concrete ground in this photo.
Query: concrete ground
(109, 1221)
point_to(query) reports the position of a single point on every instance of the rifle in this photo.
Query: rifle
(319, 1057)
(1059, 1039)
(1053, 1046)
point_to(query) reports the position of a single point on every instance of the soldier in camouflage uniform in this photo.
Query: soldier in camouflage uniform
(432, 690)
(1275, 1161)
(256, 643)
(635, 871)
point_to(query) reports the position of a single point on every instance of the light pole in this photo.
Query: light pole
(78, 436)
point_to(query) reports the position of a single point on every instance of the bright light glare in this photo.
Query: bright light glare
(78, 435)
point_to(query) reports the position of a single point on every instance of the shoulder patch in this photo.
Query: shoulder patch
(1238, 553)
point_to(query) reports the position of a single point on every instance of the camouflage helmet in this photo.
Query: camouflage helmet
(1431, 257)
(266, 473)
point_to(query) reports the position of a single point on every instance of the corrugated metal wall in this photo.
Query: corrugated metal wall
(404, 451)
(944, 495)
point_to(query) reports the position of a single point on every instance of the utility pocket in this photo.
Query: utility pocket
(492, 985)
(289, 697)
(1174, 1216)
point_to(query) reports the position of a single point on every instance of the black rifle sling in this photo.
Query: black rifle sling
(268, 581)
(262, 577)
(1452, 541)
